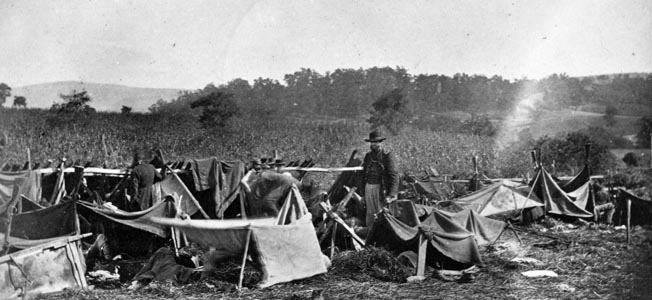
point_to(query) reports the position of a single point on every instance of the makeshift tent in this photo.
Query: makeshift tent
(556, 200)
(284, 251)
(118, 226)
(502, 198)
(37, 227)
(641, 208)
(440, 231)
(49, 267)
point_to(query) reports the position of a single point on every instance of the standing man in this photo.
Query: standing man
(142, 179)
(380, 177)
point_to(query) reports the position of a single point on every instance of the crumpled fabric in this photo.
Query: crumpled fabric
(221, 177)
(162, 266)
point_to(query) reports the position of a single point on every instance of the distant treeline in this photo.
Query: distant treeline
(350, 92)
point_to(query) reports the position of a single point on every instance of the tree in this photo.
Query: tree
(218, 109)
(125, 110)
(630, 159)
(479, 125)
(610, 115)
(20, 101)
(644, 132)
(391, 111)
(5, 91)
(73, 103)
(74, 111)
(568, 152)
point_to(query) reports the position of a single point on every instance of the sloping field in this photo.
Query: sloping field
(545, 122)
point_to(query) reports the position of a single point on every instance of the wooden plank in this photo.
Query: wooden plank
(339, 220)
(315, 169)
(421, 261)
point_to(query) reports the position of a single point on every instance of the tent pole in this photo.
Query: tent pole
(29, 159)
(333, 235)
(243, 212)
(629, 219)
(509, 224)
(10, 217)
(528, 196)
(244, 259)
(421, 260)
(175, 241)
(548, 196)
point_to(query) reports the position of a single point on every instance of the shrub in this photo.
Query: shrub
(391, 111)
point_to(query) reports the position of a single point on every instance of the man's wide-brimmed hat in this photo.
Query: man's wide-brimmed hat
(375, 137)
(255, 163)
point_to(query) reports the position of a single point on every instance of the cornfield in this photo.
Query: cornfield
(110, 139)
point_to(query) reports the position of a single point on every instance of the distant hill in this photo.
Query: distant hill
(106, 97)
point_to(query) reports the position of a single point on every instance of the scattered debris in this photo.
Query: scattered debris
(539, 273)
(104, 275)
(371, 262)
(565, 288)
(528, 260)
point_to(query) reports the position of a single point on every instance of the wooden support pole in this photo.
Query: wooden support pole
(333, 235)
(327, 225)
(511, 227)
(629, 219)
(244, 259)
(10, 216)
(243, 211)
(421, 260)
(29, 159)
(175, 241)
(515, 233)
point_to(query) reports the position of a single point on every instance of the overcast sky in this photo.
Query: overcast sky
(188, 44)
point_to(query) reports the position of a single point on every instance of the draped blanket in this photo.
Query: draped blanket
(221, 177)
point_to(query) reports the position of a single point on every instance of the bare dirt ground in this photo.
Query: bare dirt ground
(592, 262)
